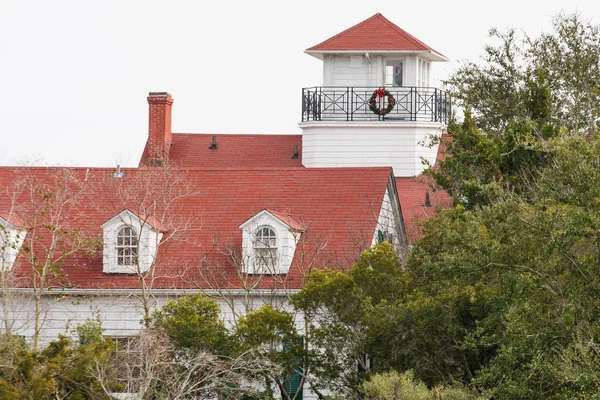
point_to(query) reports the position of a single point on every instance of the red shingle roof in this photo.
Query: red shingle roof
(12, 219)
(233, 151)
(337, 207)
(372, 34)
(412, 193)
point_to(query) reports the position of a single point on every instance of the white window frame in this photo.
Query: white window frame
(286, 241)
(128, 250)
(402, 61)
(11, 240)
(265, 248)
(148, 239)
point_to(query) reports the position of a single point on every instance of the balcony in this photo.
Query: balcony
(336, 103)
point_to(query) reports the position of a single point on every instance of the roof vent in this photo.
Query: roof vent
(295, 156)
(118, 173)
(213, 146)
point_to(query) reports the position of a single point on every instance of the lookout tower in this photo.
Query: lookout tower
(376, 106)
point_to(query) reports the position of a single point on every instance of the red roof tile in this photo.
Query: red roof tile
(233, 151)
(372, 34)
(12, 219)
(337, 207)
(412, 193)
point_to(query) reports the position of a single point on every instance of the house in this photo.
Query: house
(241, 217)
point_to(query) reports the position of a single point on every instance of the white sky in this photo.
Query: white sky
(75, 74)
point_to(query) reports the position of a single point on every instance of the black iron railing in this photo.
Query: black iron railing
(336, 103)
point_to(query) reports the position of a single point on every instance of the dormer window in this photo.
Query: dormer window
(127, 246)
(265, 247)
(11, 240)
(269, 241)
(130, 243)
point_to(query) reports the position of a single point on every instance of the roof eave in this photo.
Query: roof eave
(429, 55)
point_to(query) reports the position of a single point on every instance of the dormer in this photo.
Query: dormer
(376, 107)
(12, 235)
(269, 242)
(130, 243)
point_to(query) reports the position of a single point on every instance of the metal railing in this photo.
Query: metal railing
(337, 103)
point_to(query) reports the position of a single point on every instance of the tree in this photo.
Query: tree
(273, 334)
(341, 310)
(526, 92)
(54, 228)
(187, 353)
(532, 265)
(153, 199)
(193, 322)
(553, 78)
(59, 371)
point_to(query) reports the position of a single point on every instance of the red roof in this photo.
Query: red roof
(336, 207)
(12, 219)
(233, 151)
(412, 193)
(247, 151)
(372, 34)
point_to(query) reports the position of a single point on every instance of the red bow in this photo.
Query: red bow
(380, 92)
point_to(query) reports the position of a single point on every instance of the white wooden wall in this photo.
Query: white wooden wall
(121, 313)
(358, 70)
(353, 144)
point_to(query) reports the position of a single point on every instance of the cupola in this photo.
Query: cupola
(376, 106)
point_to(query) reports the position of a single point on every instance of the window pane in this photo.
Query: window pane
(394, 72)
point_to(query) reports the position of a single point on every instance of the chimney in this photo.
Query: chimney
(159, 127)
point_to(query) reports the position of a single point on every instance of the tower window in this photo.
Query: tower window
(393, 73)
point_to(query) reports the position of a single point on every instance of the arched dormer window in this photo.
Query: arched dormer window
(130, 243)
(127, 246)
(269, 241)
(265, 247)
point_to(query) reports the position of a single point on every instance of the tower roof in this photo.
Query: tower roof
(376, 34)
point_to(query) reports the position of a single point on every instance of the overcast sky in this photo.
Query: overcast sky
(75, 74)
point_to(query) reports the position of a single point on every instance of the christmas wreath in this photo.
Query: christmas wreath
(375, 100)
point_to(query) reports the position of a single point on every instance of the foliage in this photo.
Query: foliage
(526, 92)
(343, 310)
(193, 323)
(272, 333)
(480, 168)
(532, 266)
(60, 370)
(551, 79)
(395, 386)
(90, 331)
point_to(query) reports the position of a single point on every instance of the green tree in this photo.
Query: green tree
(194, 324)
(272, 333)
(61, 370)
(553, 78)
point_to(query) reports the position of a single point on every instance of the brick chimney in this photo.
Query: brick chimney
(159, 127)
